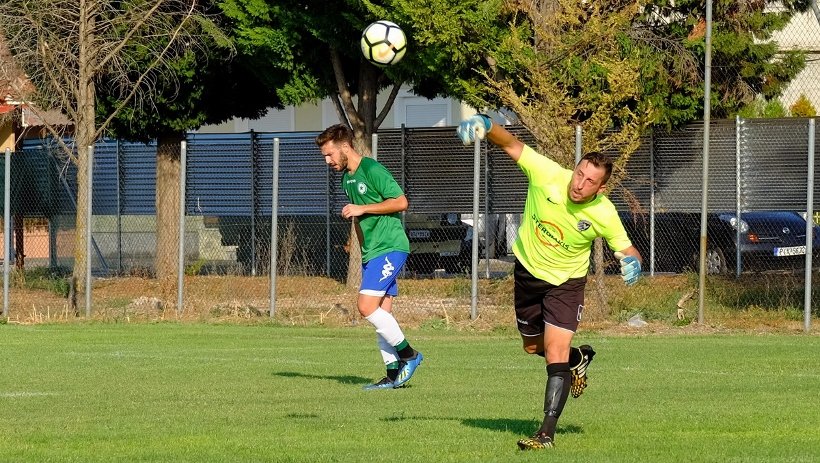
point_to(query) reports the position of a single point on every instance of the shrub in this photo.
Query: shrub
(802, 107)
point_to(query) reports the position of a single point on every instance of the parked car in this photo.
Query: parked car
(438, 241)
(768, 240)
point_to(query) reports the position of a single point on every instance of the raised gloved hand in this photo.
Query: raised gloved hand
(630, 268)
(474, 127)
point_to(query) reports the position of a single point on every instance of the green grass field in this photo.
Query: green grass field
(199, 392)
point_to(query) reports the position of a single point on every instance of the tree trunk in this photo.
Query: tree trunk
(19, 242)
(354, 261)
(600, 288)
(84, 138)
(167, 205)
(363, 130)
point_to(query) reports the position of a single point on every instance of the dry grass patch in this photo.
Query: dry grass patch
(668, 303)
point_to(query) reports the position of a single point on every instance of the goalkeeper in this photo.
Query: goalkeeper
(564, 212)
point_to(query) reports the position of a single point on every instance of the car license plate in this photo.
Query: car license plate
(790, 251)
(419, 234)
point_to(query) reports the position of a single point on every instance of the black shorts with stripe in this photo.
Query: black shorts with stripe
(538, 302)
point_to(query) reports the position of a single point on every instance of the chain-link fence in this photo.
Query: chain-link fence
(757, 197)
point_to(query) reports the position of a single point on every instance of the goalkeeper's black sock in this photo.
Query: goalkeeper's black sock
(555, 397)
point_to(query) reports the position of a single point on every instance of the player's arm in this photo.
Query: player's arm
(388, 206)
(481, 126)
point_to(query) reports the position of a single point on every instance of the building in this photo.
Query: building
(408, 109)
(803, 33)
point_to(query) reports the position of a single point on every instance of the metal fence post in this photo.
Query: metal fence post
(487, 253)
(578, 144)
(6, 231)
(274, 226)
(183, 158)
(707, 86)
(254, 201)
(476, 184)
(403, 163)
(738, 262)
(119, 208)
(328, 190)
(88, 238)
(652, 204)
(809, 229)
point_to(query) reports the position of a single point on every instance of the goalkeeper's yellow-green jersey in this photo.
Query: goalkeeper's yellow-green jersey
(555, 236)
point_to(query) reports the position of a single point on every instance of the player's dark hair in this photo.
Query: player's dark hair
(337, 133)
(600, 160)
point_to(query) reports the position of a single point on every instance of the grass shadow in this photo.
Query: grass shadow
(517, 427)
(344, 379)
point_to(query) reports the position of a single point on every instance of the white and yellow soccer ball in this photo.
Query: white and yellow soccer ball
(383, 43)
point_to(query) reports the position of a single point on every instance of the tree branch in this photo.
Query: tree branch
(136, 86)
(387, 105)
(346, 98)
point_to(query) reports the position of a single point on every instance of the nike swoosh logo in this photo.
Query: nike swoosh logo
(550, 200)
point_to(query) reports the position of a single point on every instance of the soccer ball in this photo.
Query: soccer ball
(383, 43)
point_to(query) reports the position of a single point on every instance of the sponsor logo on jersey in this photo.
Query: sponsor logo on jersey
(549, 234)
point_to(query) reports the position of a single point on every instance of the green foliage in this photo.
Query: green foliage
(760, 108)
(558, 68)
(196, 267)
(50, 279)
(208, 83)
(770, 293)
(746, 63)
(802, 108)
(637, 63)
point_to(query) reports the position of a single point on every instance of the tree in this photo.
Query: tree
(616, 68)
(208, 85)
(746, 63)
(68, 48)
(315, 43)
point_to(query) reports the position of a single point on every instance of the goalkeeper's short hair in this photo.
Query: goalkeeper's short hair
(600, 160)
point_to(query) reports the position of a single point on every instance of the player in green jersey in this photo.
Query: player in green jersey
(376, 201)
(564, 212)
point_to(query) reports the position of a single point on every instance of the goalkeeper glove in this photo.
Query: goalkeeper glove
(474, 127)
(630, 268)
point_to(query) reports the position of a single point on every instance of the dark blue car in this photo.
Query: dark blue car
(768, 240)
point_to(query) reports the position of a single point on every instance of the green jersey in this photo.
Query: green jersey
(372, 184)
(555, 236)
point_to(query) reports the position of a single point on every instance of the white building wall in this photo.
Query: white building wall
(408, 109)
(802, 33)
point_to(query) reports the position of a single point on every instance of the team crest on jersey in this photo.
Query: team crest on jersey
(583, 225)
(362, 188)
